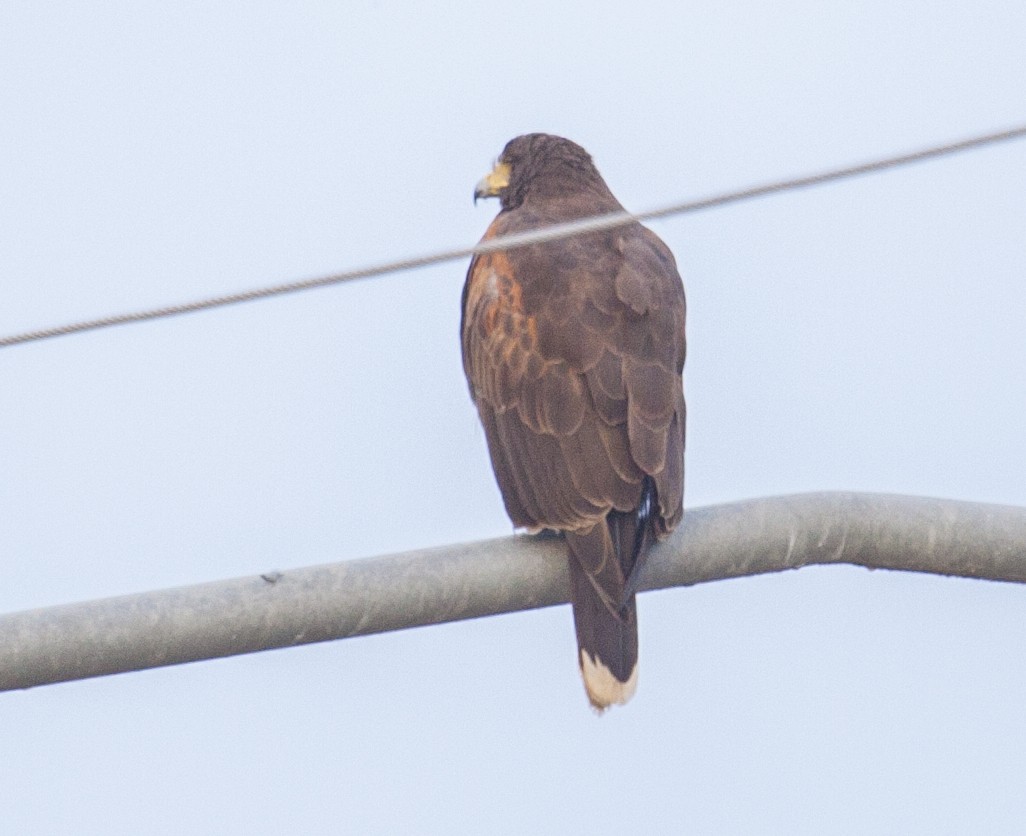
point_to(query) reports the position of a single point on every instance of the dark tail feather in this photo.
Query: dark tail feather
(632, 535)
(607, 625)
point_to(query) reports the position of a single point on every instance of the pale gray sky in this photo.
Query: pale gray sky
(864, 336)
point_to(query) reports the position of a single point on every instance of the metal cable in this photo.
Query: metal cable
(550, 233)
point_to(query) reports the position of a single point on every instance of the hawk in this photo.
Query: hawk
(573, 352)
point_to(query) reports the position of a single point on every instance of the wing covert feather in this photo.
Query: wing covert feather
(576, 360)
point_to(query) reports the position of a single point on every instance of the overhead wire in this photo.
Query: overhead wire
(542, 235)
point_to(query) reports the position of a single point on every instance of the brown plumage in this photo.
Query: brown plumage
(574, 351)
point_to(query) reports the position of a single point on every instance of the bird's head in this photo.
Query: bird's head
(540, 164)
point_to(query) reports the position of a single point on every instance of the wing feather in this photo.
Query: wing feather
(573, 352)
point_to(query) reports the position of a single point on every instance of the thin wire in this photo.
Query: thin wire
(508, 242)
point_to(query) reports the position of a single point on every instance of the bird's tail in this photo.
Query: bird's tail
(606, 620)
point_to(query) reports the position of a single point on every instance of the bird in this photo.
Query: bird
(574, 353)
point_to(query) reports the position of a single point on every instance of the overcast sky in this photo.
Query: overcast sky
(862, 336)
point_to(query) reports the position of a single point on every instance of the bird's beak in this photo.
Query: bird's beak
(495, 182)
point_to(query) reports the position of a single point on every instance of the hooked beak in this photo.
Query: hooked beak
(496, 180)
